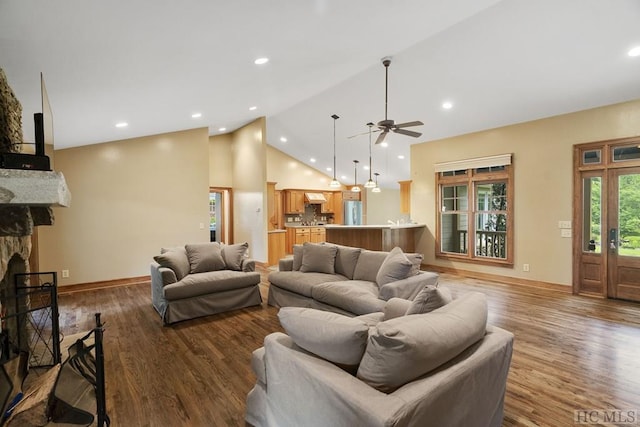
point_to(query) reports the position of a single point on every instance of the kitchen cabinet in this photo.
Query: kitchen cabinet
(317, 235)
(351, 195)
(276, 246)
(294, 201)
(328, 206)
(300, 235)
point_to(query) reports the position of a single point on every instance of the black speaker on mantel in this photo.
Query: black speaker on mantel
(24, 161)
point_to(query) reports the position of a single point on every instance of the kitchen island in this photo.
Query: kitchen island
(376, 237)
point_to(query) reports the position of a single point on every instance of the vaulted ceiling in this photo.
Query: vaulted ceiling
(153, 64)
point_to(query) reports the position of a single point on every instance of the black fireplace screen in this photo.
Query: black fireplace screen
(29, 320)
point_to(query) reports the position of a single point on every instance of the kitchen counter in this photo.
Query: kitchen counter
(376, 237)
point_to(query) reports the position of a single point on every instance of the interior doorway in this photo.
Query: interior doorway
(607, 219)
(220, 224)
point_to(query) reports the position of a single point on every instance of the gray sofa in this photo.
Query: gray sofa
(203, 279)
(346, 280)
(445, 368)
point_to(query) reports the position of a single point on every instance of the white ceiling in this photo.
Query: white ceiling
(154, 63)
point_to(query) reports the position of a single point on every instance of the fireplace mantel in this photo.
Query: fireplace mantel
(33, 188)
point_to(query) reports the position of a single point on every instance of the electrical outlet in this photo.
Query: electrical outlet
(202, 226)
(65, 273)
(565, 232)
(525, 267)
(564, 224)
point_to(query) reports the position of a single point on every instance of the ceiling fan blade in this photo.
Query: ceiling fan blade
(409, 124)
(407, 132)
(382, 136)
(363, 133)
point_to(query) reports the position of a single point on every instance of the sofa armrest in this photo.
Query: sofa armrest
(162, 276)
(285, 264)
(337, 397)
(408, 288)
(396, 307)
(248, 265)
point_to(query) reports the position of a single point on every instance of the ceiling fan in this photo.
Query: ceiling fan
(387, 125)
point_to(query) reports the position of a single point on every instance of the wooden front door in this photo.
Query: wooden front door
(606, 227)
(624, 234)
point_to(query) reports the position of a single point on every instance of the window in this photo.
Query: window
(474, 210)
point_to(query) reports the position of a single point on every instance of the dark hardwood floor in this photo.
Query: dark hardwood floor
(571, 353)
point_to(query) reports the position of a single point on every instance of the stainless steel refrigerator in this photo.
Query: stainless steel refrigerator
(352, 211)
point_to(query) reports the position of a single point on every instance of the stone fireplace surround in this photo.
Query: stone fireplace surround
(26, 198)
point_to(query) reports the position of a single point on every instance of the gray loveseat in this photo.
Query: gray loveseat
(444, 368)
(202, 279)
(346, 280)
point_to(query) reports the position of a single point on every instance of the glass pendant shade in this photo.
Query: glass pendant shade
(355, 176)
(376, 189)
(334, 182)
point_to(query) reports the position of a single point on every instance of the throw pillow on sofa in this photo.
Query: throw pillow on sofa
(403, 349)
(318, 258)
(331, 336)
(176, 261)
(396, 266)
(233, 255)
(205, 257)
(429, 299)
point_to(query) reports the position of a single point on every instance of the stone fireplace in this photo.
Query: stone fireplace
(26, 198)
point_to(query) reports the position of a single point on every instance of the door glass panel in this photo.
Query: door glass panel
(630, 152)
(629, 215)
(454, 234)
(592, 214)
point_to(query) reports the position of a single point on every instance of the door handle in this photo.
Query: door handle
(613, 239)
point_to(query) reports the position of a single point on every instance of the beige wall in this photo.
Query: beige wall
(129, 198)
(383, 206)
(220, 166)
(542, 157)
(249, 171)
(288, 172)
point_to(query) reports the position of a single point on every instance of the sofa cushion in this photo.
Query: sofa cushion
(176, 261)
(318, 258)
(234, 254)
(197, 284)
(204, 257)
(368, 264)
(346, 259)
(396, 266)
(355, 296)
(416, 260)
(405, 348)
(429, 299)
(297, 257)
(299, 282)
(334, 337)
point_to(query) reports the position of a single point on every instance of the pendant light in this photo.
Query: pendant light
(355, 176)
(370, 183)
(376, 189)
(334, 182)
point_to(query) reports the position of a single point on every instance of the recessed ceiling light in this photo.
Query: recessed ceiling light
(261, 61)
(634, 52)
(343, 177)
(252, 108)
(329, 169)
(365, 167)
(283, 139)
(384, 144)
(312, 160)
(196, 115)
(401, 157)
(122, 125)
(222, 129)
(447, 105)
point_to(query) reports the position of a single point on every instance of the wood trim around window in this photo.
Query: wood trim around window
(470, 179)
